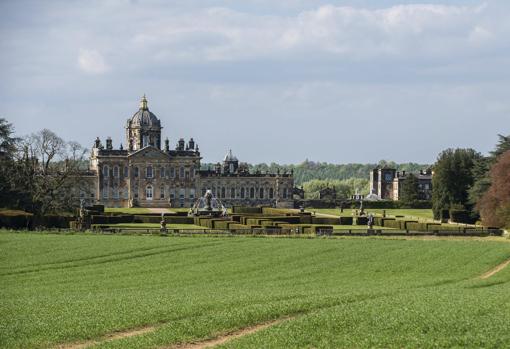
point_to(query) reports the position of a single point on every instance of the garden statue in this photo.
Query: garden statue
(162, 224)
(370, 221)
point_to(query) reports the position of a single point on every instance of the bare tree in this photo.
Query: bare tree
(49, 170)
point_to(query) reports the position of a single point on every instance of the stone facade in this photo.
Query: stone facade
(386, 183)
(144, 175)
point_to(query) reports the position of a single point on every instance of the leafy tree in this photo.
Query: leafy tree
(481, 170)
(410, 192)
(494, 206)
(344, 188)
(453, 176)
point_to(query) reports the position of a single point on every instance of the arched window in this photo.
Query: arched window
(149, 172)
(252, 193)
(162, 192)
(106, 169)
(242, 193)
(181, 172)
(271, 193)
(136, 171)
(261, 193)
(148, 192)
(172, 172)
(116, 171)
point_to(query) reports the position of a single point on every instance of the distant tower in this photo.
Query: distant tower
(143, 128)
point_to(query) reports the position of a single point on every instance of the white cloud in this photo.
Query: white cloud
(344, 32)
(92, 62)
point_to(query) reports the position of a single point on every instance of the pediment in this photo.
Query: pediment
(149, 152)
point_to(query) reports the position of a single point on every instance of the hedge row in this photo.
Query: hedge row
(27, 221)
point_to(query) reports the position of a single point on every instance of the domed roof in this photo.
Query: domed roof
(230, 157)
(144, 117)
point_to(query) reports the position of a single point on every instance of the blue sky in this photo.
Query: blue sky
(335, 81)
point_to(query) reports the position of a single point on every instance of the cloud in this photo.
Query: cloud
(219, 34)
(92, 62)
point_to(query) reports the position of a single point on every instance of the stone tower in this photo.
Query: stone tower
(143, 129)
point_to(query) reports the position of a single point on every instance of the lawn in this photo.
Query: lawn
(154, 225)
(425, 214)
(347, 292)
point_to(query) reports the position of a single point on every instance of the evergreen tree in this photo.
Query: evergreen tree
(410, 192)
(453, 177)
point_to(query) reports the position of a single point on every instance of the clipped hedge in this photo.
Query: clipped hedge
(361, 220)
(325, 220)
(346, 220)
(15, 221)
(246, 210)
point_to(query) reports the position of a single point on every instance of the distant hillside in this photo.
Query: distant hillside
(310, 170)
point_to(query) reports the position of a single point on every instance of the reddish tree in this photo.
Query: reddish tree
(494, 205)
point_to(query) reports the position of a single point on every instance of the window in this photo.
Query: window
(126, 194)
(192, 194)
(116, 171)
(126, 172)
(148, 192)
(105, 191)
(193, 173)
(161, 172)
(145, 141)
(172, 194)
(136, 191)
(136, 171)
(149, 173)
(252, 193)
(261, 193)
(181, 172)
(115, 193)
(162, 192)
(232, 193)
(186, 175)
(242, 193)
(284, 195)
(271, 193)
(172, 172)
(223, 192)
(105, 170)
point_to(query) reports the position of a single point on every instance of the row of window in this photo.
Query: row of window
(242, 193)
(150, 172)
(150, 193)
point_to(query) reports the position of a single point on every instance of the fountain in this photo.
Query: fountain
(208, 205)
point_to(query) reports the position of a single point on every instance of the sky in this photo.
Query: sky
(275, 81)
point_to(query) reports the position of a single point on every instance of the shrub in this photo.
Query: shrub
(461, 216)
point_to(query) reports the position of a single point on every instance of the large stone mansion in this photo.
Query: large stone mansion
(150, 174)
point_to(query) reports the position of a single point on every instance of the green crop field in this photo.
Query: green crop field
(59, 290)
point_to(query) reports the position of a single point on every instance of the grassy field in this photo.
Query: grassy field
(155, 225)
(412, 213)
(349, 292)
